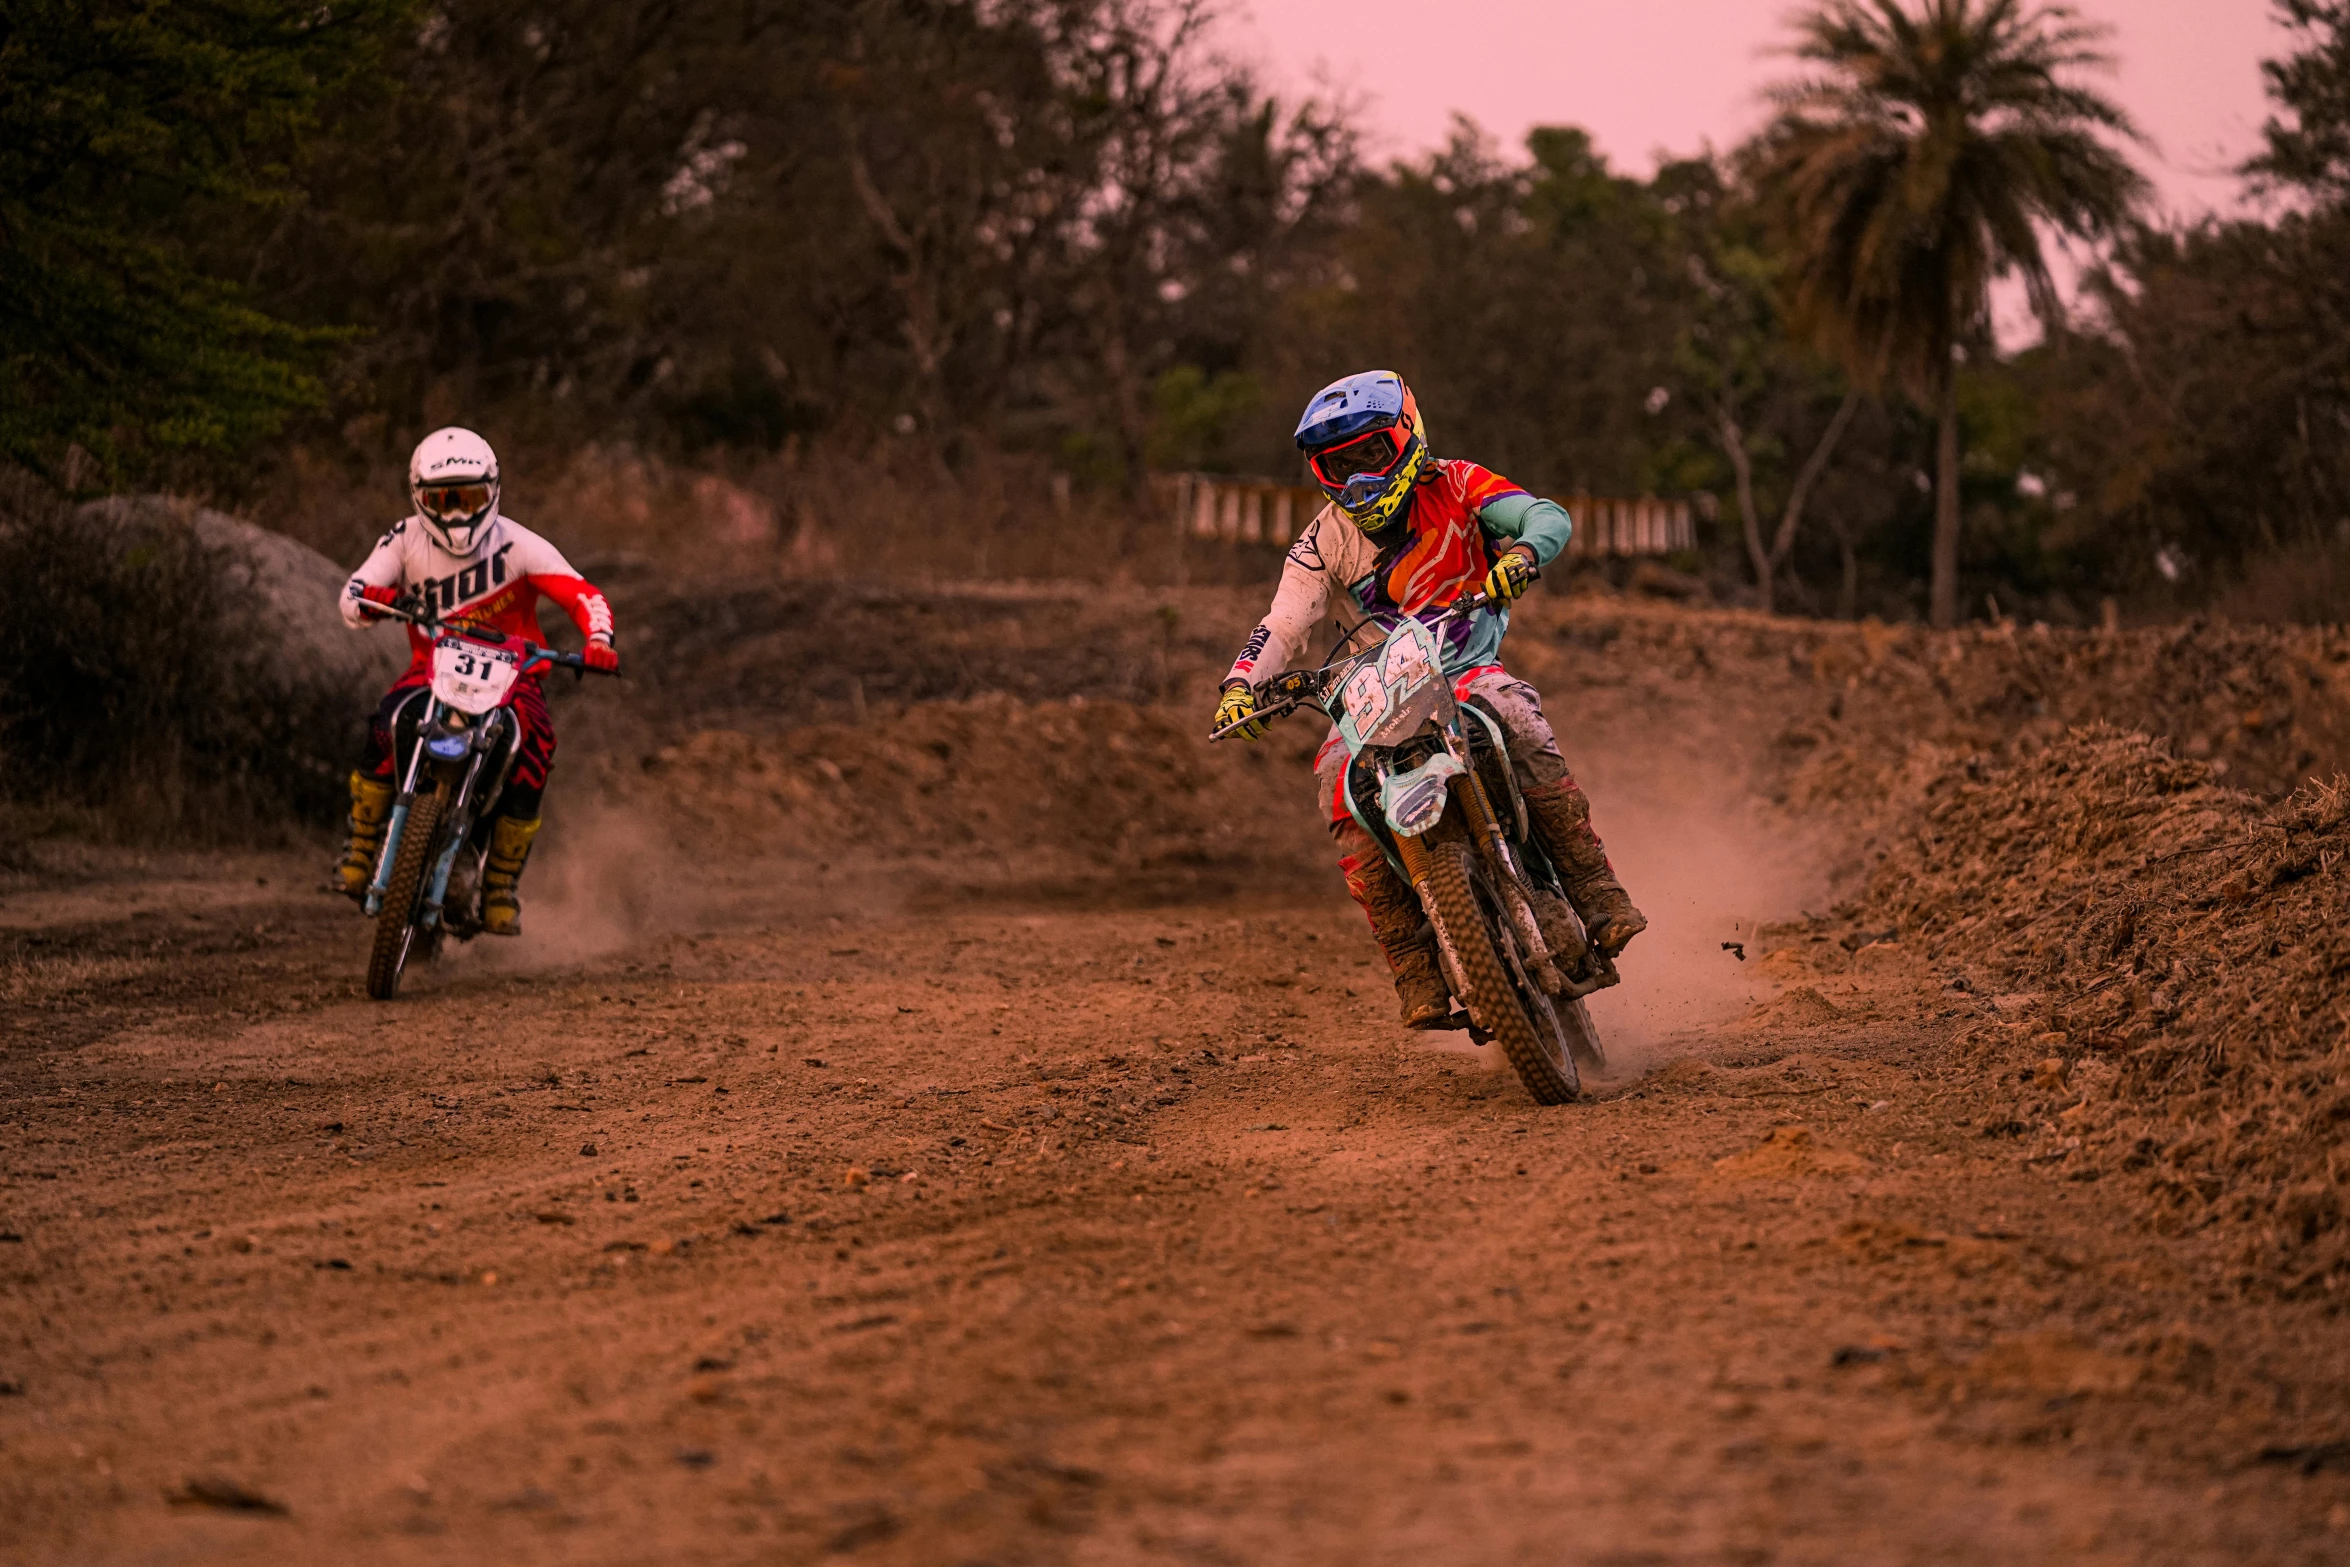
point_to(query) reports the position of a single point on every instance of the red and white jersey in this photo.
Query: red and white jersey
(497, 586)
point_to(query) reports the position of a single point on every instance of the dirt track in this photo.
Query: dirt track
(870, 1216)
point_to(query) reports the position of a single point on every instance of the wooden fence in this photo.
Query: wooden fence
(1233, 510)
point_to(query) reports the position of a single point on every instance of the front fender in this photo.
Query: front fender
(1414, 801)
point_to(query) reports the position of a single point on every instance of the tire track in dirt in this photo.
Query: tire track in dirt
(1097, 1234)
(1012, 1207)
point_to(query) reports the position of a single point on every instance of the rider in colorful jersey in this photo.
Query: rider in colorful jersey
(1406, 533)
(472, 566)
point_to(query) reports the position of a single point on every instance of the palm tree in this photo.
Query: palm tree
(1932, 145)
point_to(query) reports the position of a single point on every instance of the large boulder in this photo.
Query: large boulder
(285, 586)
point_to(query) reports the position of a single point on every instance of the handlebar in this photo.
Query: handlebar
(571, 661)
(403, 608)
(1294, 689)
(425, 618)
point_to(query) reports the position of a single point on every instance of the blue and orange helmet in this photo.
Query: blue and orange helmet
(1365, 442)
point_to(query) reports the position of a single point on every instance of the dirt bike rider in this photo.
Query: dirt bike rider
(471, 565)
(1406, 532)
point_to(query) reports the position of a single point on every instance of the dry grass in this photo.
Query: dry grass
(2300, 585)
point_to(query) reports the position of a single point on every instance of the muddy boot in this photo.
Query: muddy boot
(371, 811)
(1563, 816)
(501, 906)
(1399, 927)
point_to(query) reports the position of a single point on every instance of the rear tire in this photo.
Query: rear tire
(1513, 1011)
(395, 923)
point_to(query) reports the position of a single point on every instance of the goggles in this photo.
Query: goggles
(1374, 454)
(453, 502)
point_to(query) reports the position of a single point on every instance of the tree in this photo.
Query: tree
(1749, 381)
(1533, 306)
(2205, 423)
(1921, 161)
(2311, 150)
(128, 132)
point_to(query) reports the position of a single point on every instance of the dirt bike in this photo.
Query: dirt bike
(453, 754)
(1424, 776)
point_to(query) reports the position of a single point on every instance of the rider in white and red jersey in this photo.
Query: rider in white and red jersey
(473, 566)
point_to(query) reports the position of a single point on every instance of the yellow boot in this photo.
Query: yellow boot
(501, 906)
(371, 811)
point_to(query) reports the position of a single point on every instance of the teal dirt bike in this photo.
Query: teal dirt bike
(1429, 777)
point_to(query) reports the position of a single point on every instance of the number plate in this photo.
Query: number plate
(470, 677)
(1365, 697)
(1404, 666)
(1389, 695)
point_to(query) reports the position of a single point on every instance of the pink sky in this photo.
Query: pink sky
(1644, 75)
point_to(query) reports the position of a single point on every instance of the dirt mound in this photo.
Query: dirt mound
(763, 656)
(999, 785)
(2182, 945)
(2264, 706)
(1856, 714)
(1829, 717)
(1786, 1153)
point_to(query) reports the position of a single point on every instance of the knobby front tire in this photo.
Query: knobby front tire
(395, 925)
(1470, 919)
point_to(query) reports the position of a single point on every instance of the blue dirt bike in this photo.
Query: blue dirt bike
(1429, 777)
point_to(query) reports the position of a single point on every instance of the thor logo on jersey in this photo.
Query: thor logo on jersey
(443, 594)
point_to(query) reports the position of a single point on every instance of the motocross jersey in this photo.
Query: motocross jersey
(497, 587)
(1438, 550)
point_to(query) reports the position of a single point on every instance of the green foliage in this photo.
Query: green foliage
(1532, 306)
(1198, 417)
(2212, 417)
(2198, 433)
(1920, 162)
(129, 134)
(2309, 147)
(924, 231)
(1924, 159)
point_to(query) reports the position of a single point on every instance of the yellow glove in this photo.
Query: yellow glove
(1511, 575)
(1240, 702)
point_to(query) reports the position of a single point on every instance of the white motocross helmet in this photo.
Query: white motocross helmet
(453, 479)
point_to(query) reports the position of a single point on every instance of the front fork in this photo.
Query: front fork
(437, 889)
(1547, 970)
(1509, 882)
(397, 827)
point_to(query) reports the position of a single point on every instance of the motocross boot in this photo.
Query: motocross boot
(1397, 925)
(501, 906)
(1563, 816)
(371, 812)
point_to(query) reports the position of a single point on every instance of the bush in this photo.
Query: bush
(129, 684)
(2304, 584)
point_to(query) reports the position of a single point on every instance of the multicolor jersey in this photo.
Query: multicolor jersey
(1438, 550)
(498, 586)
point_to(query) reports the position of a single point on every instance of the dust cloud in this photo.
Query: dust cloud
(1708, 864)
(603, 878)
